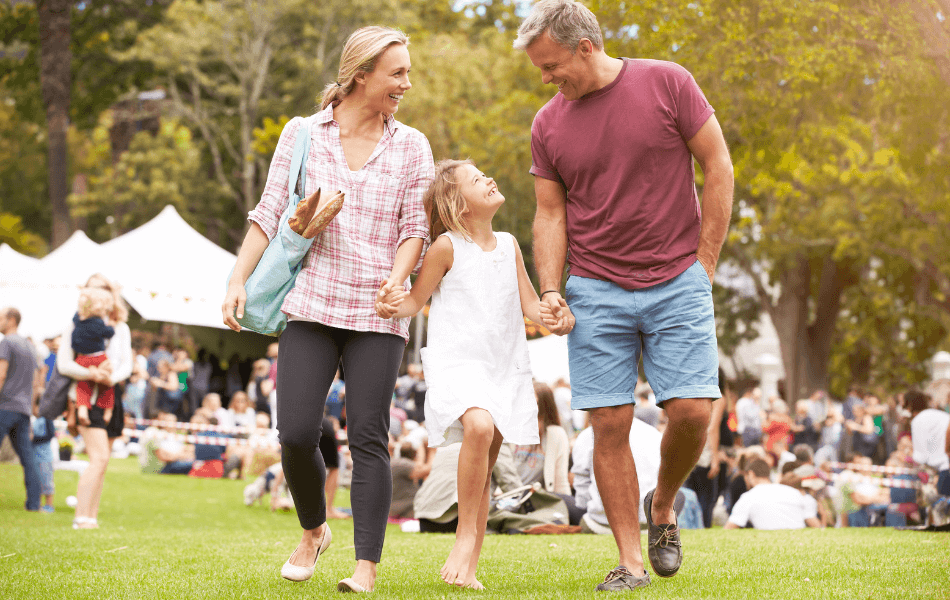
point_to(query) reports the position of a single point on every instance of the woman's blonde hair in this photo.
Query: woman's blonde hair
(120, 312)
(443, 201)
(360, 53)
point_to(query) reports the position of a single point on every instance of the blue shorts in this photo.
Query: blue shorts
(672, 322)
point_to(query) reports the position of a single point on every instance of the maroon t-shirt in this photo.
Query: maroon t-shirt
(633, 214)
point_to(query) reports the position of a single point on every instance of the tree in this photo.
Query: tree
(55, 63)
(164, 168)
(93, 82)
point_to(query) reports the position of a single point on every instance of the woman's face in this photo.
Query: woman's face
(385, 86)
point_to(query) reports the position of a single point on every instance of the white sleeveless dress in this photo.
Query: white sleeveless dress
(477, 353)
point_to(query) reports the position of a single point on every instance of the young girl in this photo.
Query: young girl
(89, 339)
(476, 361)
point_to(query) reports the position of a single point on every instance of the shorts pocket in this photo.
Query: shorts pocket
(702, 274)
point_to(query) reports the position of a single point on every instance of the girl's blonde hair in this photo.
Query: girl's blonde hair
(120, 312)
(95, 302)
(360, 53)
(444, 203)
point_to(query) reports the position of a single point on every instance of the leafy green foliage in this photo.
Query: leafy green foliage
(21, 240)
(157, 170)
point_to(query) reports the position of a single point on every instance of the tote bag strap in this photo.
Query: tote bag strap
(298, 162)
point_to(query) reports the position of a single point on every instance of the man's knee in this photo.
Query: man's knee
(612, 423)
(688, 414)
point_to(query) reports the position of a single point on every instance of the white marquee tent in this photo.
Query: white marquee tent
(168, 272)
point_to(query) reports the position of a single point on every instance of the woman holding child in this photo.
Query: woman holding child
(99, 432)
(383, 167)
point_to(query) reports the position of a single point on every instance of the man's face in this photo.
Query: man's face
(571, 73)
(3, 322)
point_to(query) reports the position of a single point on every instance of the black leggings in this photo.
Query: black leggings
(309, 356)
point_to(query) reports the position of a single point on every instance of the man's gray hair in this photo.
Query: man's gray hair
(566, 21)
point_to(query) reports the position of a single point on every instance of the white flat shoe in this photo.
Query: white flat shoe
(348, 585)
(85, 523)
(295, 573)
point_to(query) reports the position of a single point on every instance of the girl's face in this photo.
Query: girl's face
(479, 191)
(385, 86)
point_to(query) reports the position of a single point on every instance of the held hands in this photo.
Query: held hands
(388, 299)
(555, 314)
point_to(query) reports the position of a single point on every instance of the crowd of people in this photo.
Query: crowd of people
(829, 452)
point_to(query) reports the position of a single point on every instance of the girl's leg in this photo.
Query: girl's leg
(90, 482)
(309, 356)
(483, 512)
(478, 435)
(371, 364)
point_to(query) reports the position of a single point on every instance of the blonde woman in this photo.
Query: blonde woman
(99, 433)
(371, 246)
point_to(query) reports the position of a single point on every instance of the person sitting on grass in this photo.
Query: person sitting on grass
(405, 481)
(272, 482)
(770, 505)
(863, 502)
(163, 452)
(241, 412)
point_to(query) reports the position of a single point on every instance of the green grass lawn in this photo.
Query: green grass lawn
(175, 537)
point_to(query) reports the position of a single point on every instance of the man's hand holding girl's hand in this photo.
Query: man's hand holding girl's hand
(556, 315)
(388, 299)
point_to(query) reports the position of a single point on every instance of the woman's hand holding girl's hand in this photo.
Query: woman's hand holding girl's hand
(388, 299)
(234, 301)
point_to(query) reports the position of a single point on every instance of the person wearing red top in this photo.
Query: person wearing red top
(779, 427)
(383, 167)
(612, 155)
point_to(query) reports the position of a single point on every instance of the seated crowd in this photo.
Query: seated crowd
(857, 462)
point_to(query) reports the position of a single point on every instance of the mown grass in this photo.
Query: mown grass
(176, 537)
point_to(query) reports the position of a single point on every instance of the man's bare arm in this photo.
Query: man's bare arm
(709, 148)
(550, 233)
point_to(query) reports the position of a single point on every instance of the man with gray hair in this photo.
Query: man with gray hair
(612, 156)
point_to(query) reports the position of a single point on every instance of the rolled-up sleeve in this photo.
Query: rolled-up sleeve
(275, 198)
(413, 222)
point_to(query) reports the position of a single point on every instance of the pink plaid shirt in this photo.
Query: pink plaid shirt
(355, 253)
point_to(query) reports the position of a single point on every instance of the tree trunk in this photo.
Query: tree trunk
(790, 317)
(55, 79)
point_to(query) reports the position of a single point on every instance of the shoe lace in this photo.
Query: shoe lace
(667, 538)
(617, 574)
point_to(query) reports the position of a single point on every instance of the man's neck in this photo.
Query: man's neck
(606, 70)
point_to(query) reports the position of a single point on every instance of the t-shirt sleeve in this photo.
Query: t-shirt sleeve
(692, 108)
(740, 512)
(541, 164)
(6, 350)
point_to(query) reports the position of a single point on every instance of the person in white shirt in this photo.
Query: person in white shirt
(770, 505)
(930, 434)
(645, 446)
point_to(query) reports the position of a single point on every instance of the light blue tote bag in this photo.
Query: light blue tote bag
(276, 272)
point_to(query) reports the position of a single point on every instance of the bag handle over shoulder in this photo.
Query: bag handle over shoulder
(298, 162)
